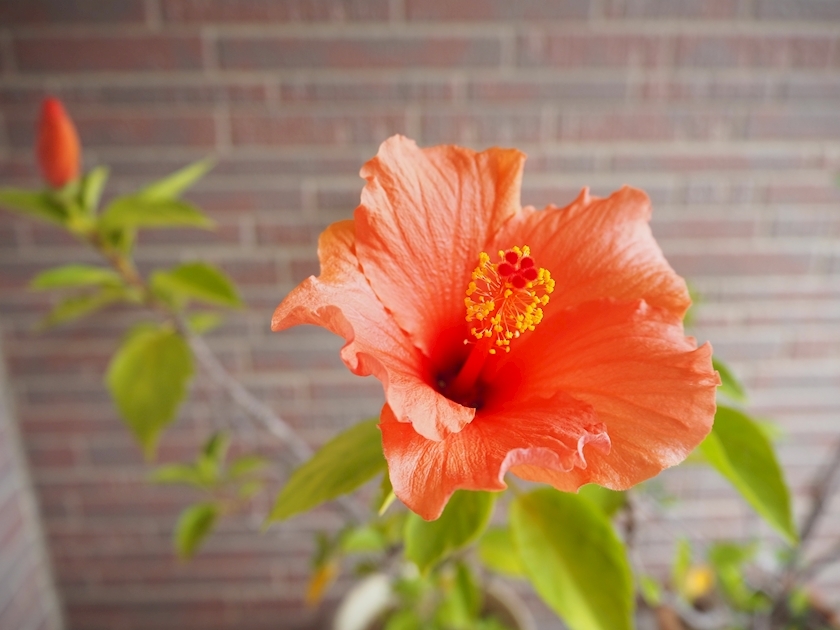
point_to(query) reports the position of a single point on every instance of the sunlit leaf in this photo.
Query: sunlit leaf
(128, 213)
(729, 385)
(342, 465)
(246, 465)
(171, 186)
(197, 281)
(498, 551)
(177, 474)
(69, 276)
(650, 590)
(35, 204)
(202, 322)
(610, 501)
(463, 520)
(92, 187)
(574, 559)
(740, 451)
(386, 495)
(77, 306)
(194, 525)
(363, 539)
(148, 379)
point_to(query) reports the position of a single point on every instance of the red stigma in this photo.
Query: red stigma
(512, 257)
(505, 269)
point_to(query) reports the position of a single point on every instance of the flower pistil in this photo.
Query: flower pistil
(505, 298)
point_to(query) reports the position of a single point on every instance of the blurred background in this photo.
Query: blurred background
(727, 112)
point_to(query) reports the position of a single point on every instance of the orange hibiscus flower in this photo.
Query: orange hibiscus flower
(548, 344)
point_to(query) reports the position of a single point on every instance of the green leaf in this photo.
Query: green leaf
(129, 213)
(363, 539)
(610, 501)
(171, 186)
(69, 276)
(461, 599)
(246, 465)
(463, 520)
(194, 524)
(79, 305)
(740, 451)
(729, 385)
(202, 322)
(342, 465)
(216, 447)
(177, 474)
(682, 563)
(385, 496)
(92, 187)
(574, 559)
(38, 205)
(148, 379)
(198, 281)
(498, 551)
(650, 590)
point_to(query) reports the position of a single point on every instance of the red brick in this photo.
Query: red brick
(770, 51)
(222, 202)
(434, 10)
(398, 91)
(749, 263)
(263, 11)
(817, 10)
(794, 125)
(669, 9)
(76, 12)
(315, 129)
(107, 53)
(345, 52)
(594, 50)
(186, 93)
(553, 90)
(508, 128)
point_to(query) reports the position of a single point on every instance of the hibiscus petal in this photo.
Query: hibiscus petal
(549, 433)
(341, 300)
(648, 383)
(425, 216)
(599, 248)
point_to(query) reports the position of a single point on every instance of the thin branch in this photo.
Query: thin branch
(821, 494)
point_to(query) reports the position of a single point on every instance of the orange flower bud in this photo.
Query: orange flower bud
(58, 144)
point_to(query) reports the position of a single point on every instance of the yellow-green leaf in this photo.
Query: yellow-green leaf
(498, 551)
(463, 520)
(128, 213)
(197, 281)
(342, 465)
(35, 204)
(194, 525)
(69, 276)
(729, 385)
(148, 379)
(92, 187)
(740, 451)
(77, 306)
(171, 186)
(574, 559)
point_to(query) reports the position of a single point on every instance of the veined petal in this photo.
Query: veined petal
(425, 216)
(600, 248)
(653, 389)
(549, 433)
(341, 300)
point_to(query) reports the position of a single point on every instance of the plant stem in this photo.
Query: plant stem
(251, 405)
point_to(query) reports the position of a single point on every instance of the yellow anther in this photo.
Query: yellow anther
(507, 302)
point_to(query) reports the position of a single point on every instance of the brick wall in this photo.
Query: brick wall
(27, 593)
(725, 111)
